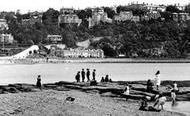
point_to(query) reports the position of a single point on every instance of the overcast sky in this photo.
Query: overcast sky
(43, 5)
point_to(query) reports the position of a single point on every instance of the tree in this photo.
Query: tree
(172, 9)
(50, 17)
(108, 50)
(110, 12)
(187, 8)
(69, 37)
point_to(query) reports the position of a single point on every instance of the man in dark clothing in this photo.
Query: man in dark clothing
(149, 85)
(94, 74)
(88, 75)
(77, 77)
(83, 75)
(107, 78)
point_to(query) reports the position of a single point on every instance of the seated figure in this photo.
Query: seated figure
(160, 101)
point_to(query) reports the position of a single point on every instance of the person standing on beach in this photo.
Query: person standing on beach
(88, 75)
(174, 90)
(149, 85)
(175, 87)
(77, 77)
(102, 80)
(127, 89)
(94, 74)
(157, 79)
(107, 78)
(38, 84)
(83, 75)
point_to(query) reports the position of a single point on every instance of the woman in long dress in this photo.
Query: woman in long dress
(157, 79)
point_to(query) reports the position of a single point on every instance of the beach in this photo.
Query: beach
(101, 100)
(22, 98)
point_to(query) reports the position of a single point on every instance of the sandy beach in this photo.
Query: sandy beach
(88, 101)
(53, 103)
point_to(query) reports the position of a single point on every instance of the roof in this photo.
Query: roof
(53, 35)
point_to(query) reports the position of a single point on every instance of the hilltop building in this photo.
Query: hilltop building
(123, 16)
(67, 11)
(98, 15)
(35, 17)
(152, 7)
(3, 24)
(6, 38)
(180, 7)
(69, 19)
(180, 17)
(153, 15)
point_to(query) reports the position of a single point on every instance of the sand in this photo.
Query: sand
(54, 103)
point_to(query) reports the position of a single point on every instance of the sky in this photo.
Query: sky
(42, 5)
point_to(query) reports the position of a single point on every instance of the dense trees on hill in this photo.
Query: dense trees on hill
(135, 37)
(50, 17)
(110, 12)
(128, 38)
(187, 8)
(172, 9)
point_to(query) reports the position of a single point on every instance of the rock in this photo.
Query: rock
(13, 90)
(70, 99)
(93, 83)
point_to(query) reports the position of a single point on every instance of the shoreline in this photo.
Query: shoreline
(88, 60)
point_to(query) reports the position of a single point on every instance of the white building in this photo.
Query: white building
(98, 15)
(79, 53)
(54, 38)
(3, 24)
(6, 38)
(123, 16)
(69, 19)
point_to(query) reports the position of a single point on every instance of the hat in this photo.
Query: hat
(158, 72)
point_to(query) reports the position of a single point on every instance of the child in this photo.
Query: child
(126, 90)
(157, 79)
(160, 101)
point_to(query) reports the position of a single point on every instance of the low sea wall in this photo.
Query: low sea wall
(89, 60)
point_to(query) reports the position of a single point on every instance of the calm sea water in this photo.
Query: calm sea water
(117, 71)
(182, 107)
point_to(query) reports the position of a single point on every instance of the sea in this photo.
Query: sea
(50, 73)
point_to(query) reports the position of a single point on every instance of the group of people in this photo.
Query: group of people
(157, 106)
(174, 89)
(86, 75)
(106, 79)
(156, 81)
(159, 99)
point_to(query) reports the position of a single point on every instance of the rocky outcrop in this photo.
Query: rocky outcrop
(116, 89)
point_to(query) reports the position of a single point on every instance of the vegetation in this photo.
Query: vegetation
(153, 38)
